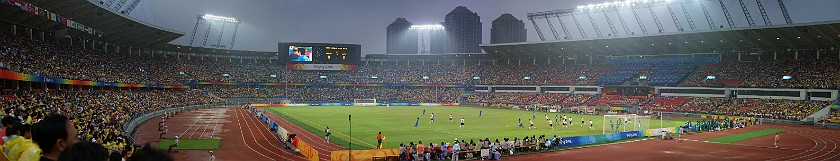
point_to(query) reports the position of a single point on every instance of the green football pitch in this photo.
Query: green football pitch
(397, 123)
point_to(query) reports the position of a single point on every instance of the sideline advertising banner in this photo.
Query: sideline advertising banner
(322, 67)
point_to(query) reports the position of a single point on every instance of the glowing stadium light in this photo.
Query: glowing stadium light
(426, 27)
(219, 18)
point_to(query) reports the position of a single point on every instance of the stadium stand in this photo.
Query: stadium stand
(344, 94)
(98, 114)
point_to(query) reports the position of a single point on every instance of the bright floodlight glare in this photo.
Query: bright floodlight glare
(618, 3)
(426, 27)
(219, 18)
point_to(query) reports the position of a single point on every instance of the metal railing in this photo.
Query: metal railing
(132, 125)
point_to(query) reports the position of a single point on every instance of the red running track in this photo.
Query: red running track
(243, 136)
(796, 143)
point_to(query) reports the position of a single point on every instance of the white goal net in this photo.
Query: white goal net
(624, 123)
(364, 102)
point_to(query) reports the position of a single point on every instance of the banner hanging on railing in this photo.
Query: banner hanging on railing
(11, 75)
(330, 85)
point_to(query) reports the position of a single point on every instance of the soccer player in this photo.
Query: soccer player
(424, 111)
(611, 125)
(520, 124)
(416, 122)
(555, 118)
(462, 122)
(570, 121)
(582, 121)
(532, 124)
(546, 118)
(433, 118)
(564, 123)
(551, 124)
(480, 112)
(450, 118)
(619, 123)
(590, 125)
(776, 141)
(534, 114)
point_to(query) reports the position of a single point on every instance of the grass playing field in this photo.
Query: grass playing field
(397, 123)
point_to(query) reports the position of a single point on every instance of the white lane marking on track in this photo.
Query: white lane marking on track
(242, 133)
(270, 135)
(321, 126)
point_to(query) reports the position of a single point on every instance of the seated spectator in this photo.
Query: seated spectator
(54, 134)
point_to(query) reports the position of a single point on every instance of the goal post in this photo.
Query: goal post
(364, 102)
(624, 123)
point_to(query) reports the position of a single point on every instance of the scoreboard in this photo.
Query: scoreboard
(320, 53)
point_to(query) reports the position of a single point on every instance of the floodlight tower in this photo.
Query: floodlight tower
(423, 29)
(209, 20)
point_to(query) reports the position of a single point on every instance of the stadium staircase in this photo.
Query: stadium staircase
(694, 72)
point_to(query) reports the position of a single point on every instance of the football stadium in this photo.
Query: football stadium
(639, 80)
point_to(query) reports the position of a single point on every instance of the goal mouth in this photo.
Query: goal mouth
(365, 102)
(625, 123)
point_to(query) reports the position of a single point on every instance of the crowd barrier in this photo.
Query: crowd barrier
(282, 135)
(131, 125)
(597, 139)
(362, 155)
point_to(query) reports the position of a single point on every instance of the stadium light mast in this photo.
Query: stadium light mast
(209, 20)
(423, 29)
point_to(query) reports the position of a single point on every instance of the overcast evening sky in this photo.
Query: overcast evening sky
(266, 22)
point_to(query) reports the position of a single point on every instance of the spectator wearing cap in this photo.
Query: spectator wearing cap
(212, 157)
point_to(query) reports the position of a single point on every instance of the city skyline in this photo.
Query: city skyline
(266, 22)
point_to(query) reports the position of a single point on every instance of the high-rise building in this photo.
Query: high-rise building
(507, 29)
(463, 28)
(400, 38)
(438, 41)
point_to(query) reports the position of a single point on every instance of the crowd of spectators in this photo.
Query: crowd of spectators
(550, 99)
(345, 94)
(803, 74)
(833, 117)
(98, 116)
(53, 60)
(767, 108)
(472, 149)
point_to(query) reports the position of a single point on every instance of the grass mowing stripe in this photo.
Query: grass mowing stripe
(190, 144)
(397, 123)
(744, 136)
(334, 138)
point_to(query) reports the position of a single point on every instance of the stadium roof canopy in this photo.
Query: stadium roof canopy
(118, 28)
(806, 36)
(203, 50)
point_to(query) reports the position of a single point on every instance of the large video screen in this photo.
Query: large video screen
(300, 53)
(319, 53)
